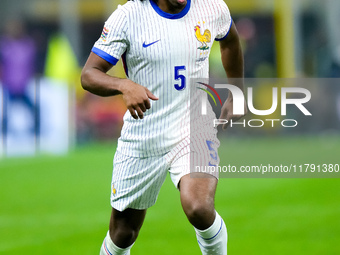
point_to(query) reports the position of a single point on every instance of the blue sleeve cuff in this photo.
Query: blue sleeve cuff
(220, 39)
(104, 55)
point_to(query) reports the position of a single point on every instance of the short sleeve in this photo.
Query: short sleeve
(113, 41)
(224, 21)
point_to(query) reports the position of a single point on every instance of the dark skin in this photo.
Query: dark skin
(171, 6)
(95, 80)
(232, 60)
(196, 194)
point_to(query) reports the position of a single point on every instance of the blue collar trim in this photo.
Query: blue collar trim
(169, 15)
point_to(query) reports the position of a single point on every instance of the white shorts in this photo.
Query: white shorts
(136, 181)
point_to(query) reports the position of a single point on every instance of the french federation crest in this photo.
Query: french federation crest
(203, 38)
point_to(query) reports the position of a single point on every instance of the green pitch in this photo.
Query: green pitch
(60, 205)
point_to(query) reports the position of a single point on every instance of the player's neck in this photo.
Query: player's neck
(171, 6)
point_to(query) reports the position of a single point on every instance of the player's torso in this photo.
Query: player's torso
(166, 55)
(159, 44)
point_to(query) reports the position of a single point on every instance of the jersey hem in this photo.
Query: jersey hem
(105, 56)
(220, 39)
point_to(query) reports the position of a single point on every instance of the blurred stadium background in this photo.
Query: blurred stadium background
(56, 155)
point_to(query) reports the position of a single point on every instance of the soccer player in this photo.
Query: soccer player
(165, 46)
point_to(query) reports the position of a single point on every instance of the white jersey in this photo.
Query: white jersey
(163, 52)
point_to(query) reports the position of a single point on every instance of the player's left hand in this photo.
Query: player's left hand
(227, 112)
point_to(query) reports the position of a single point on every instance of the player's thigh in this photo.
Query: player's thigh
(198, 188)
(129, 218)
(197, 193)
(124, 226)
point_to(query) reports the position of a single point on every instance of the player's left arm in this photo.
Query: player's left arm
(233, 63)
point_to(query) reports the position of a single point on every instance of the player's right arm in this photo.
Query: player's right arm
(94, 78)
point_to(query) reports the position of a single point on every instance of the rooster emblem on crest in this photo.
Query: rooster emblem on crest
(203, 39)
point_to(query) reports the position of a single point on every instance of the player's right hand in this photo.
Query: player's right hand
(136, 98)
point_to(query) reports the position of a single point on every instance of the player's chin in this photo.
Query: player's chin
(182, 2)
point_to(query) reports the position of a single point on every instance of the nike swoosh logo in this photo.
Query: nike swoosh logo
(147, 45)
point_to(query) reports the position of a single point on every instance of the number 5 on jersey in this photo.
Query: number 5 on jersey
(180, 77)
